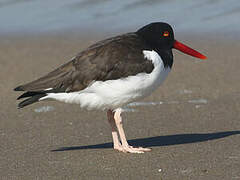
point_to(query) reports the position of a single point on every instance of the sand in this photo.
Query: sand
(192, 124)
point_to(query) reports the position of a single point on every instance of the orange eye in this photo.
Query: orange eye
(165, 33)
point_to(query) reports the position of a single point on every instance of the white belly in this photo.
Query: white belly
(113, 94)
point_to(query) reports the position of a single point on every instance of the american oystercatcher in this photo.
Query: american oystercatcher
(111, 74)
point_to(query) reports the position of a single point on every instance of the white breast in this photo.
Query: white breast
(113, 94)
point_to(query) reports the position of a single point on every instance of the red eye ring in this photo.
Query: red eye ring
(165, 33)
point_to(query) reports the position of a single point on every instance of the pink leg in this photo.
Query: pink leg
(125, 146)
(116, 143)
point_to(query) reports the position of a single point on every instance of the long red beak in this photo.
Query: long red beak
(187, 50)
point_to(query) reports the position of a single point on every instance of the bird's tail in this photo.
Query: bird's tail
(31, 96)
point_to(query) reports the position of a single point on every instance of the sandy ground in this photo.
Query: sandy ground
(193, 132)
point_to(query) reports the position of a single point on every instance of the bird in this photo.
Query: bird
(111, 74)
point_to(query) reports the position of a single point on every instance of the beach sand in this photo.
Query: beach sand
(192, 126)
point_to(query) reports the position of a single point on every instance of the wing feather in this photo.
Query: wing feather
(110, 59)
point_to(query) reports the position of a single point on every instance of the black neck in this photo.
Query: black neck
(165, 54)
(167, 57)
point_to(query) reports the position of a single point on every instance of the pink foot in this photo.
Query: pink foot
(131, 149)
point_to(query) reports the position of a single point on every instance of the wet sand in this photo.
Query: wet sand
(193, 132)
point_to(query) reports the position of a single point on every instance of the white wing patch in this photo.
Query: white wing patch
(48, 89)
(113, 94)
(152, 56)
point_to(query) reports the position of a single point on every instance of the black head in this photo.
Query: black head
(158, 35)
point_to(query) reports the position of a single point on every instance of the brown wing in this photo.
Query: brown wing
(110, 59)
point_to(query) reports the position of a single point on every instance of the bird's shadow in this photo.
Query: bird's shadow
(159, 140)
